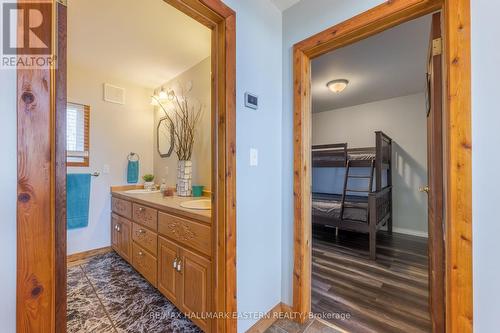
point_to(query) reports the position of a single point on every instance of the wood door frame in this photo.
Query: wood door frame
(457, 144)
(41, 207)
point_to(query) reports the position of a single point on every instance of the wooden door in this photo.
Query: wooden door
(196, 286)
(435, 188)
(168, 280)
(126, 239)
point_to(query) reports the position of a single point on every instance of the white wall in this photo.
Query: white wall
(200, 94)
(485, 164)
(115, 131)
(404, 120)
(300, 21)
(258, 61)
(8, 188)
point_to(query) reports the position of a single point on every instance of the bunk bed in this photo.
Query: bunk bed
(356, 209)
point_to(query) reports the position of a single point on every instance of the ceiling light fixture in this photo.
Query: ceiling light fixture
(337, 86)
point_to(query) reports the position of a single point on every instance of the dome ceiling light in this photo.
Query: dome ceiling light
(337, 86)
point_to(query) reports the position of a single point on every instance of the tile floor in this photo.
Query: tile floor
(105, 294)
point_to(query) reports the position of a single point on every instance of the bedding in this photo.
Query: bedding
(340, 157)
(328, 206)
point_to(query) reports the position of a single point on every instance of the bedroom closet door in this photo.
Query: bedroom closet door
(435, 187)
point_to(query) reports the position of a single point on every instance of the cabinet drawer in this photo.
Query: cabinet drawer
(146, 216)
(121, 207)
(145, 238)
(190, 233)
(144, 262)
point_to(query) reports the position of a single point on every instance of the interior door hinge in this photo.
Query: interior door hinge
(63, 2)
(437, 46)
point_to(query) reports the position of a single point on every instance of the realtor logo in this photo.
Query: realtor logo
(26, 34)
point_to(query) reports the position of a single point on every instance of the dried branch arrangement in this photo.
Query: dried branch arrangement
(184, 118)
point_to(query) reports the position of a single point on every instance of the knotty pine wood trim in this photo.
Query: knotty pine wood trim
(458, 166)
(41, 219)
(60, 103)
(458, 147)
(215, 15)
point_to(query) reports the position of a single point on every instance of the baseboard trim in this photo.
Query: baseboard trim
(265, 322)
(410, 232)
(87, 254)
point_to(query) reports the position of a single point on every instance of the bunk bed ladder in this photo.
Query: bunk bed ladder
(347, 190)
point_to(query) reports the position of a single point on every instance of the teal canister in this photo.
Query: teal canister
(198, 190)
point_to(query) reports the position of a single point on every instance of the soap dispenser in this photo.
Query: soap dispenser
(163, 186)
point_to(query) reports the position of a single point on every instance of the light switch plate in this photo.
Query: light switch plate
(254, 157)
(251, 101)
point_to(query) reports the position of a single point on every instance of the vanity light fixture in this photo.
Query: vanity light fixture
(337, 86)
(163, 94)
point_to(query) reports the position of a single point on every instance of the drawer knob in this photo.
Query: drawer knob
(117, 227)
(142, 209)
(141, 253)
(175, 263)
(141, 231)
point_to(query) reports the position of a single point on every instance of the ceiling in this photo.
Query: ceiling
(284, 4)
(387, 65)
(146, 42)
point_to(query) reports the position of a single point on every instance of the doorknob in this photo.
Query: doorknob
(424, 189)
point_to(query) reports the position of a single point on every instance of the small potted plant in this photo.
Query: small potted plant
(149, 183)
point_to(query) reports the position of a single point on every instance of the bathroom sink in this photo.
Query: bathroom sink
(141, 191)
(197, 204)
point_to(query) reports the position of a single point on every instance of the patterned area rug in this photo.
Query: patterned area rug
(106, 294)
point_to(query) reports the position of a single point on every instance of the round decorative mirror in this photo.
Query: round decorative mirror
(165, 137)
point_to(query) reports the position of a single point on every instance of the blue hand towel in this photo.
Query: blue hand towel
(133, 172)
(77, 200)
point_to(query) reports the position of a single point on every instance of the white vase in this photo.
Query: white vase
(184, 178)
(149, 186)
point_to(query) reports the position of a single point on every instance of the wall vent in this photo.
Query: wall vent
(114, 94)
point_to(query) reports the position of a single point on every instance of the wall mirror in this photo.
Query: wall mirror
(165, 137)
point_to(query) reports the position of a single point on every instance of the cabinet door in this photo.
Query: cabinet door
(196, 287)
(168, 279)
(115, 234)
(126, 239)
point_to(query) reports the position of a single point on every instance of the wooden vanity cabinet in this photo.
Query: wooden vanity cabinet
(121, 240)
(172, 252)
(185, 278)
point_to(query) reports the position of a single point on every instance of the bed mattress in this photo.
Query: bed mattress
(327, 206)
(340, 157)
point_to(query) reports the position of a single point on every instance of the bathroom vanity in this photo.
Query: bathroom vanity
(170, 246)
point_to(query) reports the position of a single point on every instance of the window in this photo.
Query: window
(77, 135)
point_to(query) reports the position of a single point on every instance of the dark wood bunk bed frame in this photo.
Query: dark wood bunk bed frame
(377, 204)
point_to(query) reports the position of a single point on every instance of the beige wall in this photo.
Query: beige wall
(115, 131)
(166, 168)
(404, 120)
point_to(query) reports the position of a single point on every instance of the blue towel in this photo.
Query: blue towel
(133, 172)
(77, 200)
